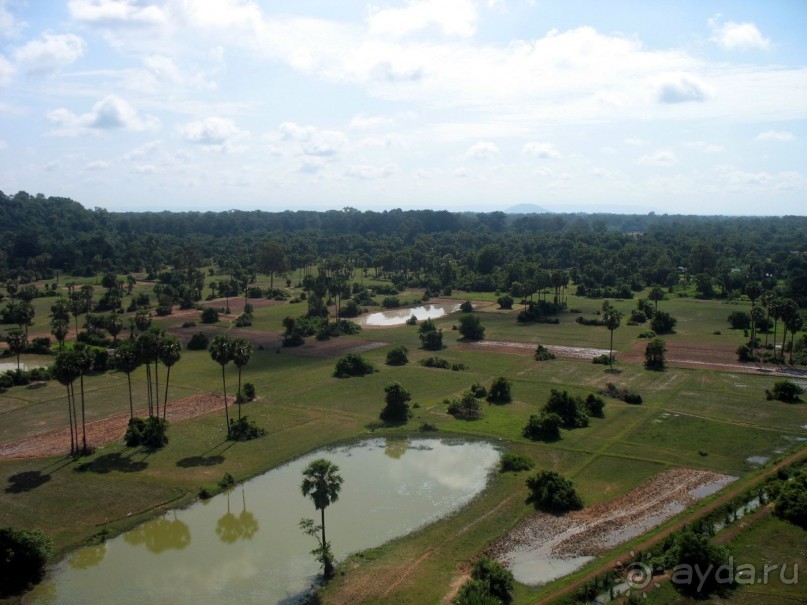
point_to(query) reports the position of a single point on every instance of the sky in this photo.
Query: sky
(677, 107)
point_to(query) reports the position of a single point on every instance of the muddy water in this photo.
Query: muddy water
(246, 547)
(398, 317)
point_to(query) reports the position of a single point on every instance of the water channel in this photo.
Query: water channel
(245, 546)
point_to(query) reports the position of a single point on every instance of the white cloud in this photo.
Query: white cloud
(6, 70)
(370, 172)
(482, 150)
(739, 36)
(112, 13)
(307, 140)
(681, 88)
(662, 157)
(143, 150)
(450, 17)
(366, 122)
(98, 165)
(325, 143)
(776, 135)
(163, 70)
(704, 147)
(9, 26)
(50, 53)
(311, 165)
(213, 133)
(110, 113)
(541, 150)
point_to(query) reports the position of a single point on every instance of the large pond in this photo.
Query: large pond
(398, 317)
(245, 546)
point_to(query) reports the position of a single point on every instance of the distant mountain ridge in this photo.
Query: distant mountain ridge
(526, 209)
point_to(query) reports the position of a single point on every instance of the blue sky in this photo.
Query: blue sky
(690, 107)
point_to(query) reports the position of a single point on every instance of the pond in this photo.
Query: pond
(398, 317)
(245, 546)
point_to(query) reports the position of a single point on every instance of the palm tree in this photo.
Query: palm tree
(17, 341)
(611, 318)
(765, 299)
(757, 316)
(66, 370)
(127, 359)
(789, 311)
(169, 352)
(656, 294)
(84, 362)
(242, 351)
(322, 482)
(147, 347)
(114, 325)
(60, 329)
(794, 324)
(221, 351)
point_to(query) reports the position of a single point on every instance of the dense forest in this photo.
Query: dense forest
(602, 254)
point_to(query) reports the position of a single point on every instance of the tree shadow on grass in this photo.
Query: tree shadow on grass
(612, 371)
(26, 481)
(192, 461)
(112, 462)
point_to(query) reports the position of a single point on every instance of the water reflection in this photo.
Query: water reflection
(243, 527)
(160, 535)
(87, 557)
(396, 447)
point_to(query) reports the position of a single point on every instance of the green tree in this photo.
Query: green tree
(66, 370)
(611, 318)
(498, 579)
(221, 351)
(698, 565)
(500, 391)
(553, 493)
(757, 316)
(84, 360)
(17, 342)
(471, 328)
(60, 329)
(114, 325)
(126, 358)
(654, 354)
(24, 554)
(169, 352)
(543, 427)
(322, 483)
(242, 351)
(396, 409)
(271, 260)
(656, 295)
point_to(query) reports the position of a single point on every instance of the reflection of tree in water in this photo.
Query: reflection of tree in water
(243, 527)
(87, 557)
(161, 534)
(396, 447)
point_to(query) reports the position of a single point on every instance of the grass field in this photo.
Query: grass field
(697, 418)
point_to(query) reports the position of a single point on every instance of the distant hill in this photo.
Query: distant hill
(526, 209)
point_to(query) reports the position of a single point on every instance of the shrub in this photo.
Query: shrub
(471, 328)
(663, 323)
(791, 502)
(427, 427)
(150, 433)
(245, 430)
(432, 341)
(552, 493)
(479, 391)
(475, 592)
(24, 554)
(786, 391)
(647, 334)
(189, 324)
(412, 321)
(500, 391)
(602, 359)
(611, 390)
(692, 551)
(198, 342)
(391, 302)
(746, 353)
(209, 315)
(739, 320)
(396, 409)
(397, 356)
(249, 391)
(654, 354)
(497, 578)
(435, 362)
(571, 409)
(352, 364)
(466, 408)
(595, 406)
(543, 427)
(505, 302)
(466, 307)
(516, 463)
(227, 481)
(543, 354)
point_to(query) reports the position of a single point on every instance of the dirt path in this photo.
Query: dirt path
(614, 560)
(107, 430)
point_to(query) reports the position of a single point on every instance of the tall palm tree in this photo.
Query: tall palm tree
(127, 359)
(221, 351)
(242, 351)
(765, 299)
(114, 325)
(66, 370)
(60, 329)
(322, 482)
(656, 294)
(17, 341)
(169, 352)
(84, 362)
(612, 318)
(757, 316)
(147, 347)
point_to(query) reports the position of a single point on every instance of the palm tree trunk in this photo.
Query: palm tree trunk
(83, 419)
(611, 351)
(157, 384)
(131, 405)
(165, 400)
(226, 411)
(240, 397)
(148, 388)
(70, 421)
(322, 510)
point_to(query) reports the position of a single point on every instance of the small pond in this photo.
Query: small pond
(245, 546)
(398, 317)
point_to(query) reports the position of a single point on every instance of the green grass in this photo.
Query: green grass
(685, 414)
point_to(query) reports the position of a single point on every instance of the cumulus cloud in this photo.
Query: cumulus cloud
(704, 147)
(213, 133)
(308, 140)
(160, 70)
(662, 157)
(541, 150)
(450, 17)
(369, 172)
(366, 122)
(681, 88)
(738, 36)
(6, 70)
(482, 150)
(110, 13)
(776, 135)
(142, 151)
(50, 53)
(110, 113)
(98, 165)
